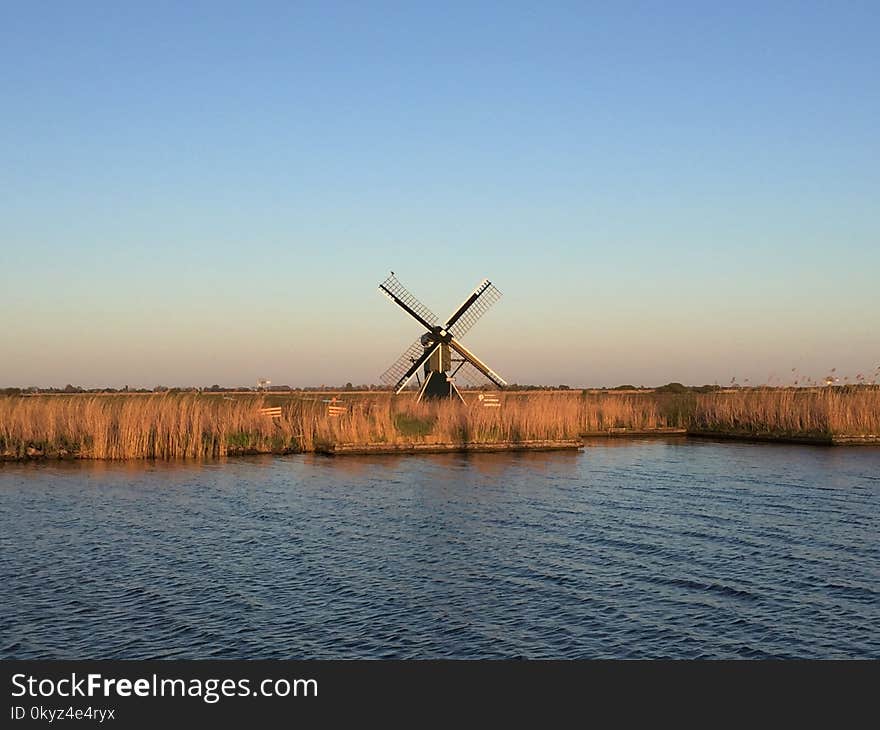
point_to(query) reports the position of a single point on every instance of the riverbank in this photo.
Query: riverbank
(441, 448)
(204, 426)
(817, 439)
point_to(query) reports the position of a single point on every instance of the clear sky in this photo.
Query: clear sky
(198, 193)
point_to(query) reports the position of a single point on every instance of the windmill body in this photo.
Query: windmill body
(438, 352)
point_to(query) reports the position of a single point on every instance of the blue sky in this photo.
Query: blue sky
(197, 193)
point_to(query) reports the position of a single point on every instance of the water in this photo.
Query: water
(628, 549)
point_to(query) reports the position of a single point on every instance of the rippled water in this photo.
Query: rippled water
(629, 549)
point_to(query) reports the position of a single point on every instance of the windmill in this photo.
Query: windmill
(439, 349)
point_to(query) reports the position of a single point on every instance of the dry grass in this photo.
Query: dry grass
(164, 426)
(132, 427)
(825, 411)
(521, 417)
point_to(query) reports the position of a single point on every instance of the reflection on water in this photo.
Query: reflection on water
(628, 549)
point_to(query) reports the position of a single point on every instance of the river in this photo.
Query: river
(627, 549)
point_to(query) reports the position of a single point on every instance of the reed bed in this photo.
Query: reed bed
(132, 427)
(200, 426)
(791, 412)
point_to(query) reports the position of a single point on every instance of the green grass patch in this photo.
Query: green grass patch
(407, 425)
(239, 440)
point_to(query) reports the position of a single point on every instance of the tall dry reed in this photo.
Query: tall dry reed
(133, 427)
(853, 411)
(166, 426)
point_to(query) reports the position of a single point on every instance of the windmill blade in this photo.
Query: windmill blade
(477, 363)
(466, 374)
(407, 376)
(402, 364)
(403, 298)
(472, 308)
(407, 365)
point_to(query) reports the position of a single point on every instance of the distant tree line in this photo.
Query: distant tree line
(671, 388)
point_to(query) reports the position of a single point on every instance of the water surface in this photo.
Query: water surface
(628, 549)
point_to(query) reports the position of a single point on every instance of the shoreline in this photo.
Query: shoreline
(366, 449)
(826, 439)
(444, 448)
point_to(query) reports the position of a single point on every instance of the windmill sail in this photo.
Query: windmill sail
(412, 354)
(474, 307)
(467, 374)
(478, 364)
(401, 296)
(413, 369)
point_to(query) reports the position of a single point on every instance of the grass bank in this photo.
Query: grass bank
(825, 415)
(200, 426)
